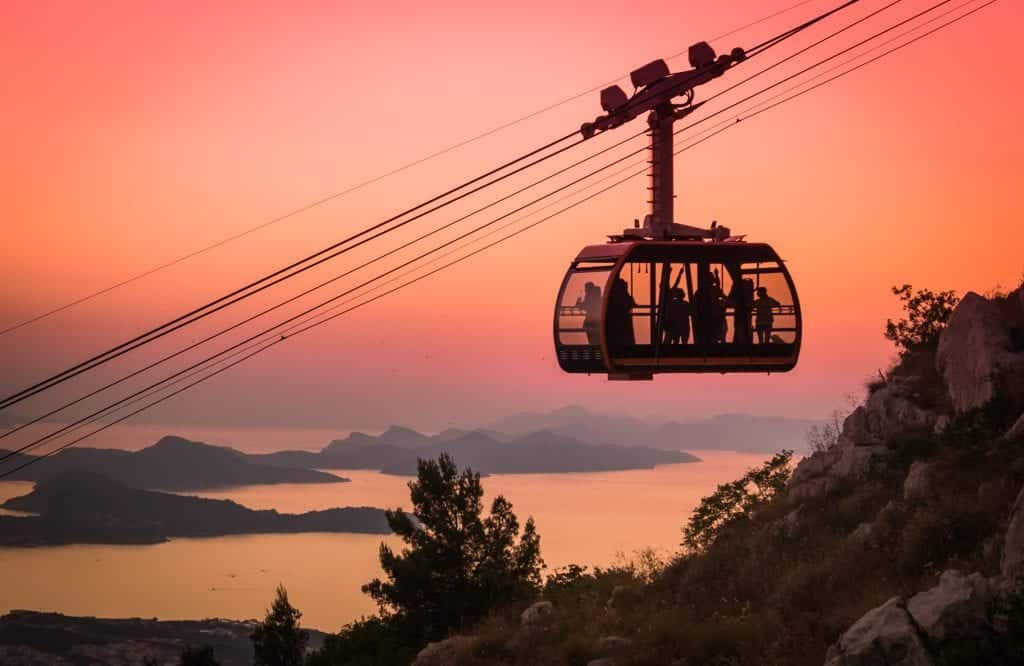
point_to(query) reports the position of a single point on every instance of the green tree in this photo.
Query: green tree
(278, 640)
(201, 656)
(927, 312)
(736, 501)
(456, 564)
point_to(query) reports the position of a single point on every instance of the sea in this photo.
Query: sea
(591, 519)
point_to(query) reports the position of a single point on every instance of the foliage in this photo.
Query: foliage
(736, 501)
(824, 437)
(278, 640)
(202, 656)
(644, 566)
(927, 312)
(373, 641)
(456, 564)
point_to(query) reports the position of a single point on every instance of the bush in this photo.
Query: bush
(736, 501)
(370, 641)
(824, 437)
(927, 314)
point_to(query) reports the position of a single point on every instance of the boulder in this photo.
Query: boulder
(888, 412)
(975, 355)
(884, 636)
(1012, 562)
(536, 613)
(959, 607)
(920, 481)
(613, 643)
(819, 473)
(443, 653)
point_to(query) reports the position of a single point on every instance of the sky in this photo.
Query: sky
(135, 133)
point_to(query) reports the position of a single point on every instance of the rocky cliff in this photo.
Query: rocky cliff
(975, 375)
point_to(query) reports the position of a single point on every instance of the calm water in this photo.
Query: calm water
(584, 518)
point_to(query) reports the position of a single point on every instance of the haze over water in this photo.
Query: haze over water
(587, 518)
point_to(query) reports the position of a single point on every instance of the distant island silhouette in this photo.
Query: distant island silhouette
(397, 449)
(746, 433)
(173, 463)
(84, 507)
(570, 439)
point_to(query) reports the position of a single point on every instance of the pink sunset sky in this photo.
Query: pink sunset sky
(135, 133)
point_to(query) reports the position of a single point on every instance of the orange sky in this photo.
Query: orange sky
(137, 132)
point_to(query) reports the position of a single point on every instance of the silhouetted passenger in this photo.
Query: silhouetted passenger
(718, 309)
(676, 318)
(764, 316)
(709, 311)
(741, 298)
(619, 324)
(591, 306)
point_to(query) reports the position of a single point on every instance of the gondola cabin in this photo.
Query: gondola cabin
(633, 309)
(669, 297)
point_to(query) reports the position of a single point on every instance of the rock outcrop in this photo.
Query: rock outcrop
(980, 355)
(536, 613)
(960, 610)
(977, 355)
(884, 636)
(920, 481)
(959, 607)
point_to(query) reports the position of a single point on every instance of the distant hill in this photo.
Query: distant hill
(726, 432)
(173, 463)
(84, 507)
(396, 450)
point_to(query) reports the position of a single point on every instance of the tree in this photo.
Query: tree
(927, 314)
(278, 640)
(202, 656)
(736, 501)
(456, 564)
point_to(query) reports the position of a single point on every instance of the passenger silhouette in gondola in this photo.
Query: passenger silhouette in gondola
(591, 306)
(708, 309)
(764, 316)
(619, 324)
(676, 318)
(741, 298)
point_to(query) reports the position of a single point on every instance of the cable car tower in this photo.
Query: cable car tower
(665, 296)
(658, 90)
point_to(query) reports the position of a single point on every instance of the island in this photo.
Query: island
(84, 507)
(397, 450)
(173, 463)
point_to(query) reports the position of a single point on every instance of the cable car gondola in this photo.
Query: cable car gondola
(668, 297)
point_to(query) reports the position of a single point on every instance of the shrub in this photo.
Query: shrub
(370, 641)
(825, 436)
(927, 314)
(736, 501)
